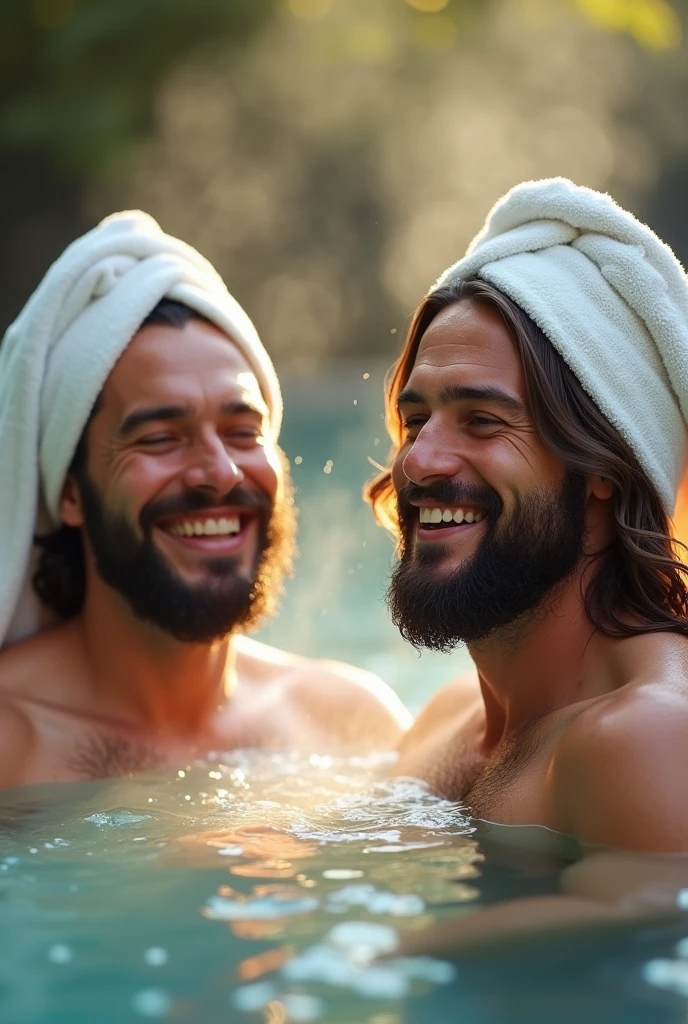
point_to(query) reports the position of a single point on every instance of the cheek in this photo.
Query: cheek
(264, 468)
(136, 481)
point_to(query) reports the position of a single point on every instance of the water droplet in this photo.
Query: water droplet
(250, 998)
(156, 956)
(298, 460)
(366, 376)
(151, 1002)
(303, 1007)
(60, 954)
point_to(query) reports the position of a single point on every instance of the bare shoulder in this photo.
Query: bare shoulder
(618, 766)
(349, 701)
(17, 733)
(445, 711)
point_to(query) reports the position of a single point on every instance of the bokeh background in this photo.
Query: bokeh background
(331, 157)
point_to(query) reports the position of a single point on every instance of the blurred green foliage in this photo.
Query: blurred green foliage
(79, 77)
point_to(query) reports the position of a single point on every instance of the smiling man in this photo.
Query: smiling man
(538, 416)
(139, 413)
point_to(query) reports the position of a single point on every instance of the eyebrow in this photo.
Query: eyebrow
(158, 413)
(459, 393)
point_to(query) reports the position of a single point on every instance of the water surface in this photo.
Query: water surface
(272, 888)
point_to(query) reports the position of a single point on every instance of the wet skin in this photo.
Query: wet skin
(465, 418)
(175, 417)
(560, 725)
(108, 693)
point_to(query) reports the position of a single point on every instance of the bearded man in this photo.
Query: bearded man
(538, 417)
(139, 414)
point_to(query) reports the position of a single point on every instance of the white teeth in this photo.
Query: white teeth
(229, 525)
(448, 515)
(207, 527)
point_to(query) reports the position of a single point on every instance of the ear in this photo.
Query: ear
(600, 487)
(70, 503)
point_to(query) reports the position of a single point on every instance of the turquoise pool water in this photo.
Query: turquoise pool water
(261, 888)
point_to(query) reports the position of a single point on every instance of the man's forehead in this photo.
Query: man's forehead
(197, 361)
(467, 336)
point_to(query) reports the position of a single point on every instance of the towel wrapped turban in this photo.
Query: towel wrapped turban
(612, 299)
(56, 357)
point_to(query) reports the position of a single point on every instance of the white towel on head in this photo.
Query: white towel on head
(54, 361)
(613, 300)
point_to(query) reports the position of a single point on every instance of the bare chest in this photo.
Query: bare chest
(69, 747)
(510, 785)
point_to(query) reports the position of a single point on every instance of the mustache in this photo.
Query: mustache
(448, 492)
(195, 501)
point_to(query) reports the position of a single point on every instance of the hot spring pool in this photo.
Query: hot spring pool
(259, 888)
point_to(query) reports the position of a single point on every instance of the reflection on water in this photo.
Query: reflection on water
(264, 888)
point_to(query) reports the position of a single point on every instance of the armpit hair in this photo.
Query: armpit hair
(102, 756)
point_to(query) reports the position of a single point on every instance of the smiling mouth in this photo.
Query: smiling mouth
(209, 529)
(435, 518)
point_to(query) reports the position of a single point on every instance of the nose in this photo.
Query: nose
(433, 456)
(212, 468)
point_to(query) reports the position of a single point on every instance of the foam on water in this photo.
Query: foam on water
(262, 888)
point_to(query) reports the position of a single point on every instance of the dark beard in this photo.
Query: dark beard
(192, 613)
(518, 562)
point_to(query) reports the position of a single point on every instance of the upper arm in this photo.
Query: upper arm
(442, 710)
(16, 744)
(619, 775)
(355, 706)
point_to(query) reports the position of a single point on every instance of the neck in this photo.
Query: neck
(143, 676)
(545, 661)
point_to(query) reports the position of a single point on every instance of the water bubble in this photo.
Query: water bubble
(667, 974)
(298, 460)
(303, 1007)
(156, 956)
(261, 908)
(231, 851)
(151, 1002)
(378, 937)
(366, 376)
(60, 954)
(250, 998)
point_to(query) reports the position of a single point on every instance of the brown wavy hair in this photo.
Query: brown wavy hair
(640, 582)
